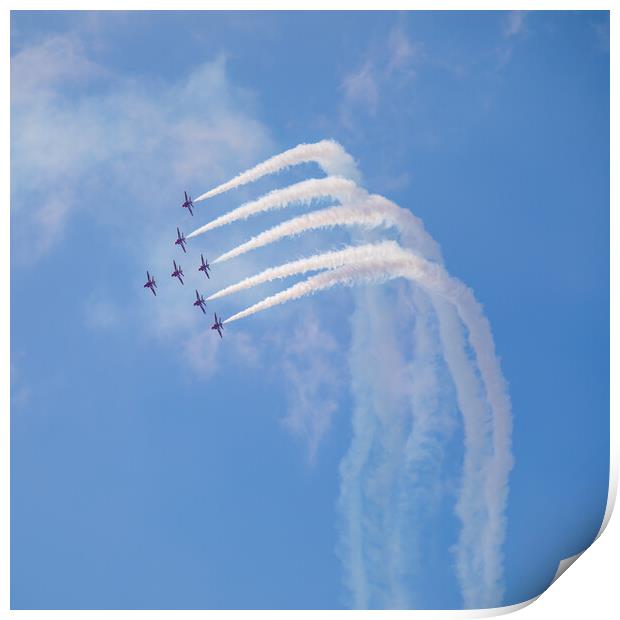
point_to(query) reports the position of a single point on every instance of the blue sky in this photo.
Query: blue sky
(154, 466)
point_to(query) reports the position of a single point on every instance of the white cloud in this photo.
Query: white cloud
(201, 352)
(313, 379)
(514, 23)
(360, 87)
(391, 64)
(202, 348)
(77, 130)
(402, 52)
(102, 313)
(83, 135)
(39, 70)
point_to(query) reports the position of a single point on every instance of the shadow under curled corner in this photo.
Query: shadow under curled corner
(566, 563)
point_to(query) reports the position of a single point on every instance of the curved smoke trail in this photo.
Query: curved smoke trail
(371, 271)
(478, 566)
(394, 262)
(391, 262)
(318, 262)
(363, 215)
(329, 155)
(302, 193)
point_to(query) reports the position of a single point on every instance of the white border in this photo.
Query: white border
(586, 588)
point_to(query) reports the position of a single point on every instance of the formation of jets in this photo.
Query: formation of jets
(200, 301)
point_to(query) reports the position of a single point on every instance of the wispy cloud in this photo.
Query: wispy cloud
(41, 69)
(514, 23)
(361, 87)
(402, 52)
(201, 352)
(73, 120)
(102, 313)
(311, 368)
(83, 134)
(393, 62)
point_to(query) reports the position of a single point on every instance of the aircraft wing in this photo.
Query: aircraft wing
(190, 209)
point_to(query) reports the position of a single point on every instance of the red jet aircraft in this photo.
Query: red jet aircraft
(150, 283)
(200, 302)
(217, 325)
(178, 272)
(205, 266)
(181, 240)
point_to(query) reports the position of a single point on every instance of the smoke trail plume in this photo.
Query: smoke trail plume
(329, 155)
(433, 278)
(361, 215)
(482, 398)
(477, 427)
(302, 193)
(388, 265)
(318, 262)
(371, 471)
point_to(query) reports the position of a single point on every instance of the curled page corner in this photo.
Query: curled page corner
(564, 565)
(611, 500)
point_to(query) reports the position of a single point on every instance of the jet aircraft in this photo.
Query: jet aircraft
(217, 325)
(178, 272)
(150, 283)
(200, 302)
(205, 266)
(181, 240)
(188, 204)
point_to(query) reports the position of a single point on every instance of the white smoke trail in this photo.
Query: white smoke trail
(433, 278)
(351, 548)
(302, 193)
(480, 573)
(470, 557)
(364, 215)
(329, 155)
(318, 262)
(371, 471)
(388, 265)
(418, 493)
